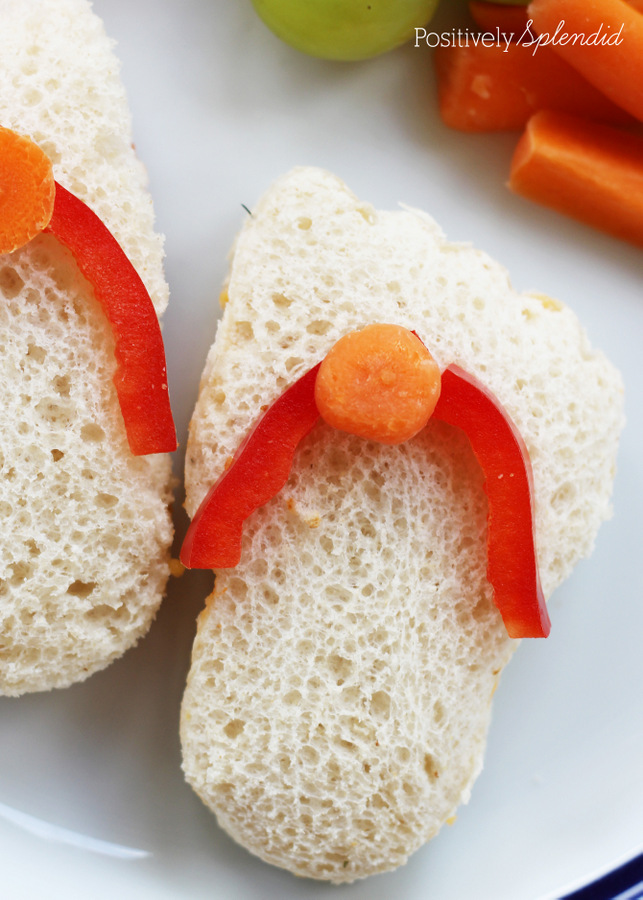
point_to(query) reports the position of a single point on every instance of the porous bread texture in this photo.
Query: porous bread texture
(84, 525)
(339, 697)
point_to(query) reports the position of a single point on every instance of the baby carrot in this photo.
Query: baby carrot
(591, 172)
(601, 39)
(498, 87)
(510, 20)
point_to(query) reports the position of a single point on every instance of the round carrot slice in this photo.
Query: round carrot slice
(380, 383)
(27, 190)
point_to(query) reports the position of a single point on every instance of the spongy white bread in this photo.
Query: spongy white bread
(340, 692)
(84, 525)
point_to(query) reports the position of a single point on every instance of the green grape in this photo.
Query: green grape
(345, 29)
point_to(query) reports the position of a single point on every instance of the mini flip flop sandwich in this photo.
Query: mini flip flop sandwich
(393, 462)
(86, 425)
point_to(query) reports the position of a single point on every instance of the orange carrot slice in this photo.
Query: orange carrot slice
(601, 39)
(380, 383)
(591, 172)
(498, 87)
(26, 190)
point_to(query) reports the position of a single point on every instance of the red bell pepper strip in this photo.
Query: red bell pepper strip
(504, 459)
(141, 374)
(261, 467)
(258, 472)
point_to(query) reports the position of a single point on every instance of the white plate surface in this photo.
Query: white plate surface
(92, 800)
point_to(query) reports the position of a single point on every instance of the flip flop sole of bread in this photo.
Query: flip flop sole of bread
(339, 697)
(84, 525)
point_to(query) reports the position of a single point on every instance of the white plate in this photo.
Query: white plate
(93, 800)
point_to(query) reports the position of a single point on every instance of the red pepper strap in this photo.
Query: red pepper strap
(500, 450)
(258, 472)
(141, 374)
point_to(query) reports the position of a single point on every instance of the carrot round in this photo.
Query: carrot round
(591, 172)
(601, 39)
(380, 383)
(498, 87)
(27, 190)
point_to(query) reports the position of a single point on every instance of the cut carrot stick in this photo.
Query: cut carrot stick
(591, 172)
(602, 39)
(498, 87)
(27, 190)
(508, 20)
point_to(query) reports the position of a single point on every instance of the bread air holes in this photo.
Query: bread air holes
(218, 397)
(381, 705)
(431, 767)
(309, 755)
(366, 527)
(234, 728)
(81, 589)
(280, 301)
(244, 331)
(340, 667)
(106, 501)
(318, 326)
(62, 385)
(92, 433)
(270, 595)
(21, 571)
(10, 282)
(55, 412)
(36, 353)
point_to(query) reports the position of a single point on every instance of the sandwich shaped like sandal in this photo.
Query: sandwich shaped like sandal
(86, 426)
(339, 696)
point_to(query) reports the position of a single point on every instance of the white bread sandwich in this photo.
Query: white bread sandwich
(85, 529)
(342, 674)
